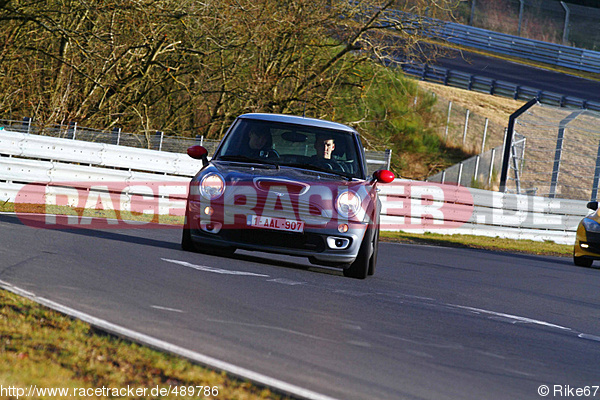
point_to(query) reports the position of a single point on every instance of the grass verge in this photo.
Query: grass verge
(44, 349)
(481, 242)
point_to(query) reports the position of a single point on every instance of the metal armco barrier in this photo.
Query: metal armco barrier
(535, 50)
(407, 205)
(445, 209)
(515, 46)
(481, 84)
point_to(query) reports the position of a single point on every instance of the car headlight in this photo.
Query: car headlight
(590, 225)
(212, 186)
(347, 204)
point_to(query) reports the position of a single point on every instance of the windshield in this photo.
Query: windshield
(315, 148)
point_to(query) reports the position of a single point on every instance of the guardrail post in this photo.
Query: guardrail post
(596, 177)
(492, 86)
(516, 94)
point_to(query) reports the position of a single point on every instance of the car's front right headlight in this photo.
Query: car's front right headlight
(590, 225)
(212, 186)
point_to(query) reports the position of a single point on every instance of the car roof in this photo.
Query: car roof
(293, 119)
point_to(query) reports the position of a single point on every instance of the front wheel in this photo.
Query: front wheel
(361, 267)
(373, 260)
(582, 261)
(186, 237)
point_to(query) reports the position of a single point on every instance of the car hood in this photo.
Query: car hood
(286, 190)
(236, 171)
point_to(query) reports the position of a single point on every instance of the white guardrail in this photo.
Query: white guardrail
(410, 206)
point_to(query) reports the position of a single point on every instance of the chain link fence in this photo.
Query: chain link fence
(549, 21)
(555, 153)
(156, 141)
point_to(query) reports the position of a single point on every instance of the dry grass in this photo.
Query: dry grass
(49, 350)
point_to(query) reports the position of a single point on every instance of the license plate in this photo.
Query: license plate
(279, 224)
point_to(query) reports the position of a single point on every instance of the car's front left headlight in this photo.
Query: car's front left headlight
(590, 225)
(348, 204)
(212, 186)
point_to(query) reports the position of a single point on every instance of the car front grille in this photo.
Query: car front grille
(275, 239)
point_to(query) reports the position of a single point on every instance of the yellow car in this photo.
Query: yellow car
(587, 241)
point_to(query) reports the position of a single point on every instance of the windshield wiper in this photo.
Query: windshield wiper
(319, 169)
(246, 159)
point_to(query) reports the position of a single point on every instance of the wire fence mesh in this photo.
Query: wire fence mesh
(560, 155)
(550, 21)
(157, 141)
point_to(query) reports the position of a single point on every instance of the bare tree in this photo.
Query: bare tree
(191, 66)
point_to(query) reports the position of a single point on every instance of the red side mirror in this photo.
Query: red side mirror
(197, 152)
(384, 176)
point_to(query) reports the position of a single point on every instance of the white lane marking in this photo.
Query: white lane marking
(511, 318)
(589, 337)
(168, 347)
(166, 309)
(284, 281)
(270, 327)
(212, 269)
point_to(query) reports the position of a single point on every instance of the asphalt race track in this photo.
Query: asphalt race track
(512, 72)
(433, 323)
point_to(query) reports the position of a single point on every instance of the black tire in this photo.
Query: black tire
(359, 269)
(186, 237)
(582, 261)
(373, 260)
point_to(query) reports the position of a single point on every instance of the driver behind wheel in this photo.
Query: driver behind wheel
(260, 144)
(325, 145)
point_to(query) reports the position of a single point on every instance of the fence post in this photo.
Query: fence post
(27, 124)
(448, 120)
(162, 135)
(72, 130)
(596, 177)
(484, 136)
(460, 170)
(491, 167)
(558, 152)
(466, 127)
(565, 38)
(508, 140)
(520, 17)
(117, 132)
